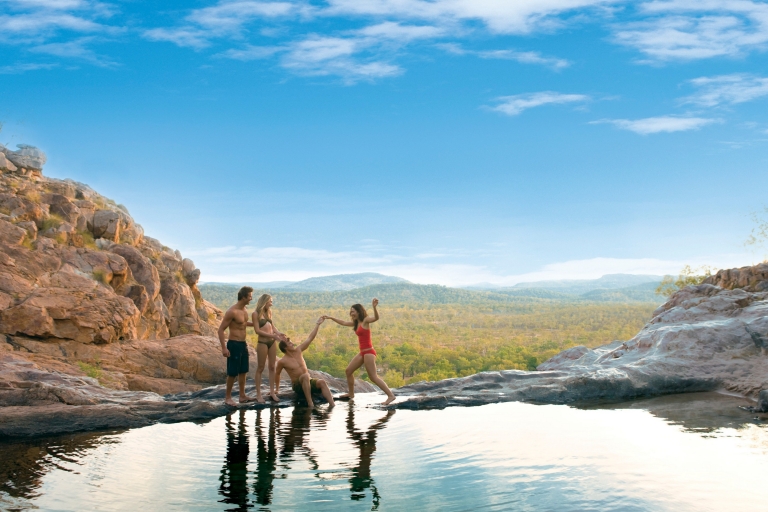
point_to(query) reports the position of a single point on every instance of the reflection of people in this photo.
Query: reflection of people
(234, 473)
(236, 349)
(366, 442)
(293, 363)
(361, 324)
(266, 349)
(266, 456)
(294, 434)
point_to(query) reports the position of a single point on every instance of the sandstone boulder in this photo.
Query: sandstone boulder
(27, 156)
(11, 234)
(72, 307)
(141, 267)
(753, 278)
(106, 224)
(61, 205)
(6, 165)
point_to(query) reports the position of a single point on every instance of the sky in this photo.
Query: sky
(446, 141)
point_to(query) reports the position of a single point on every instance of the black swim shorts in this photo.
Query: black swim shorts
(237, 362)
(314, 387)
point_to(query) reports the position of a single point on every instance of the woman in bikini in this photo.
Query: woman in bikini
(266, 348)
(361, 324)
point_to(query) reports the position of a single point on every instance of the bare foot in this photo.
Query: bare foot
(230, 402)
(273, 396)
(260, 399)
(311, 405)
(346, 396)
(246, 399)
(388, 400)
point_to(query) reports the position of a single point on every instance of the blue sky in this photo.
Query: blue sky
(444, 141)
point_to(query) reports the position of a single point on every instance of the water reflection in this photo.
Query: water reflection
(706, 454)
(234, 473)
(365, 441)
(23, 464)
(266, 455)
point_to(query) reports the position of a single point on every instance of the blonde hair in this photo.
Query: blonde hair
(261, 304)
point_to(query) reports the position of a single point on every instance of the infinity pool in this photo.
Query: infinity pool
(686, 452)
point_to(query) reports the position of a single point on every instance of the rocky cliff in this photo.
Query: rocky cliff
(78, 277)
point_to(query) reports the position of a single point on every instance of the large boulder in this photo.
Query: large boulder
(106, 224)
(141, 267)
(754, 278)
(6, 165)
(28, 157)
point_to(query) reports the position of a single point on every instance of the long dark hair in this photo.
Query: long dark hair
(361, 314)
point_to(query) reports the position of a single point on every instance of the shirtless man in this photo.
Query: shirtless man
(235, 349)
(293, 363)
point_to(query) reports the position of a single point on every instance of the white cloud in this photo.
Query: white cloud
(500, 16)
(76, 49)
(16, 69)
(661, 124)
(36, 23)
(515, 105)
(399, 32)
(224, 20)
(727, 89)
(252, 52)
(518, 56)
(697, 29)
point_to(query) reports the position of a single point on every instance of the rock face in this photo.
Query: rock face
(705, 337)
(74, 266)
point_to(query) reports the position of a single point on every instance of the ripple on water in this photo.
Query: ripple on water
(648, 455)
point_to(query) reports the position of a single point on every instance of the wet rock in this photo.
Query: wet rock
(36, 401)
(762, 401)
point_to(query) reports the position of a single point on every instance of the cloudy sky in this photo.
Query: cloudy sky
(444, 141)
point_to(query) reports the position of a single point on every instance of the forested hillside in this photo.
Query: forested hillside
(430, 332)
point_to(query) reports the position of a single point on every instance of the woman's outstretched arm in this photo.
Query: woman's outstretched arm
(345, 323)
(370, 319)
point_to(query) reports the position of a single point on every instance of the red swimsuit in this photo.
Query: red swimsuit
(364, 339)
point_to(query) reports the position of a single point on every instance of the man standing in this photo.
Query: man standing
(235, 349)
(293, 363)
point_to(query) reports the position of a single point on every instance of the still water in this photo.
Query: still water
(686, 452)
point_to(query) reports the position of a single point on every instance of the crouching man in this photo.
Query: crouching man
(293, 363)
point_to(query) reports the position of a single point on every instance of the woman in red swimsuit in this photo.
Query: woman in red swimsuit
(361, 324)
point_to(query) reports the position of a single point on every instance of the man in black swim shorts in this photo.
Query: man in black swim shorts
(235, 349)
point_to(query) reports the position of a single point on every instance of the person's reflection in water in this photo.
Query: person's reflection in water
(266, 455)
(295, 434)
(366, 443)
(234, 473)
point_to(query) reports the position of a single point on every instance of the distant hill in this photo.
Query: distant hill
(581, 286)
(341, 282)
(405, 293)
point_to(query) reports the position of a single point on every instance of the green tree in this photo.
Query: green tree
(687, 277)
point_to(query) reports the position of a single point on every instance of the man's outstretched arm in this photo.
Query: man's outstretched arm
(304, 346)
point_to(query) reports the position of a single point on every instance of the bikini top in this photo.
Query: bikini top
(263, 321)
